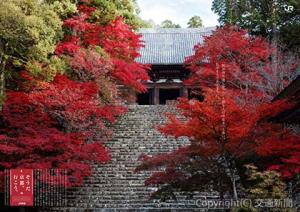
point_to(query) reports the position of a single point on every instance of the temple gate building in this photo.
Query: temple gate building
(165, 50)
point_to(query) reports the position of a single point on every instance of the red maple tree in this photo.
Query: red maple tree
(231, 125)
(249, 63)
(217, 142)
(118, 42)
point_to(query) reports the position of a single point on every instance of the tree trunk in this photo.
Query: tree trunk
(233, 176)
(2, 81)
(235, 195)
(233, 173)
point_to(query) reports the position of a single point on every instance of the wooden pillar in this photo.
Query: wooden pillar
(155, 95)
(184, 92)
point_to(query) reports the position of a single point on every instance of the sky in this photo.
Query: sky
(178, 11)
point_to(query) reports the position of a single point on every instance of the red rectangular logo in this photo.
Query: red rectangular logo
(21, 187)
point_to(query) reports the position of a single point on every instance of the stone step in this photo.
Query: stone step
(115, 184)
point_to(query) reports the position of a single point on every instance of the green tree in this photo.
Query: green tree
(108, 10)
(64, 8)
(169, 24)
(266, 184)
(29, 30)
(279, 19)
(195, 22)
(149, 24)
(263, 185)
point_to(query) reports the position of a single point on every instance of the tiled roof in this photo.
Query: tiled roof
(170, 46)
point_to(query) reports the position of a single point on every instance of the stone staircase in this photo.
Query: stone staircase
(115, 185)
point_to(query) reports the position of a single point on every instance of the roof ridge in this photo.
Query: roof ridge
(172, 32)
(175, 30)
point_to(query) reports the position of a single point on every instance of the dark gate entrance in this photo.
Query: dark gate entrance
(168, 94)
(160, 94)
(145, 98)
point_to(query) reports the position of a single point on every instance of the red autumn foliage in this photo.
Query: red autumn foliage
(284, 152)
(231, 46)
(88, 65)
(79, 24)
(69, 46)
(74, 106)
(85, 9)
(130, 74)
(30, 138)
(250, 63)
(231, 125)
(117, 40)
